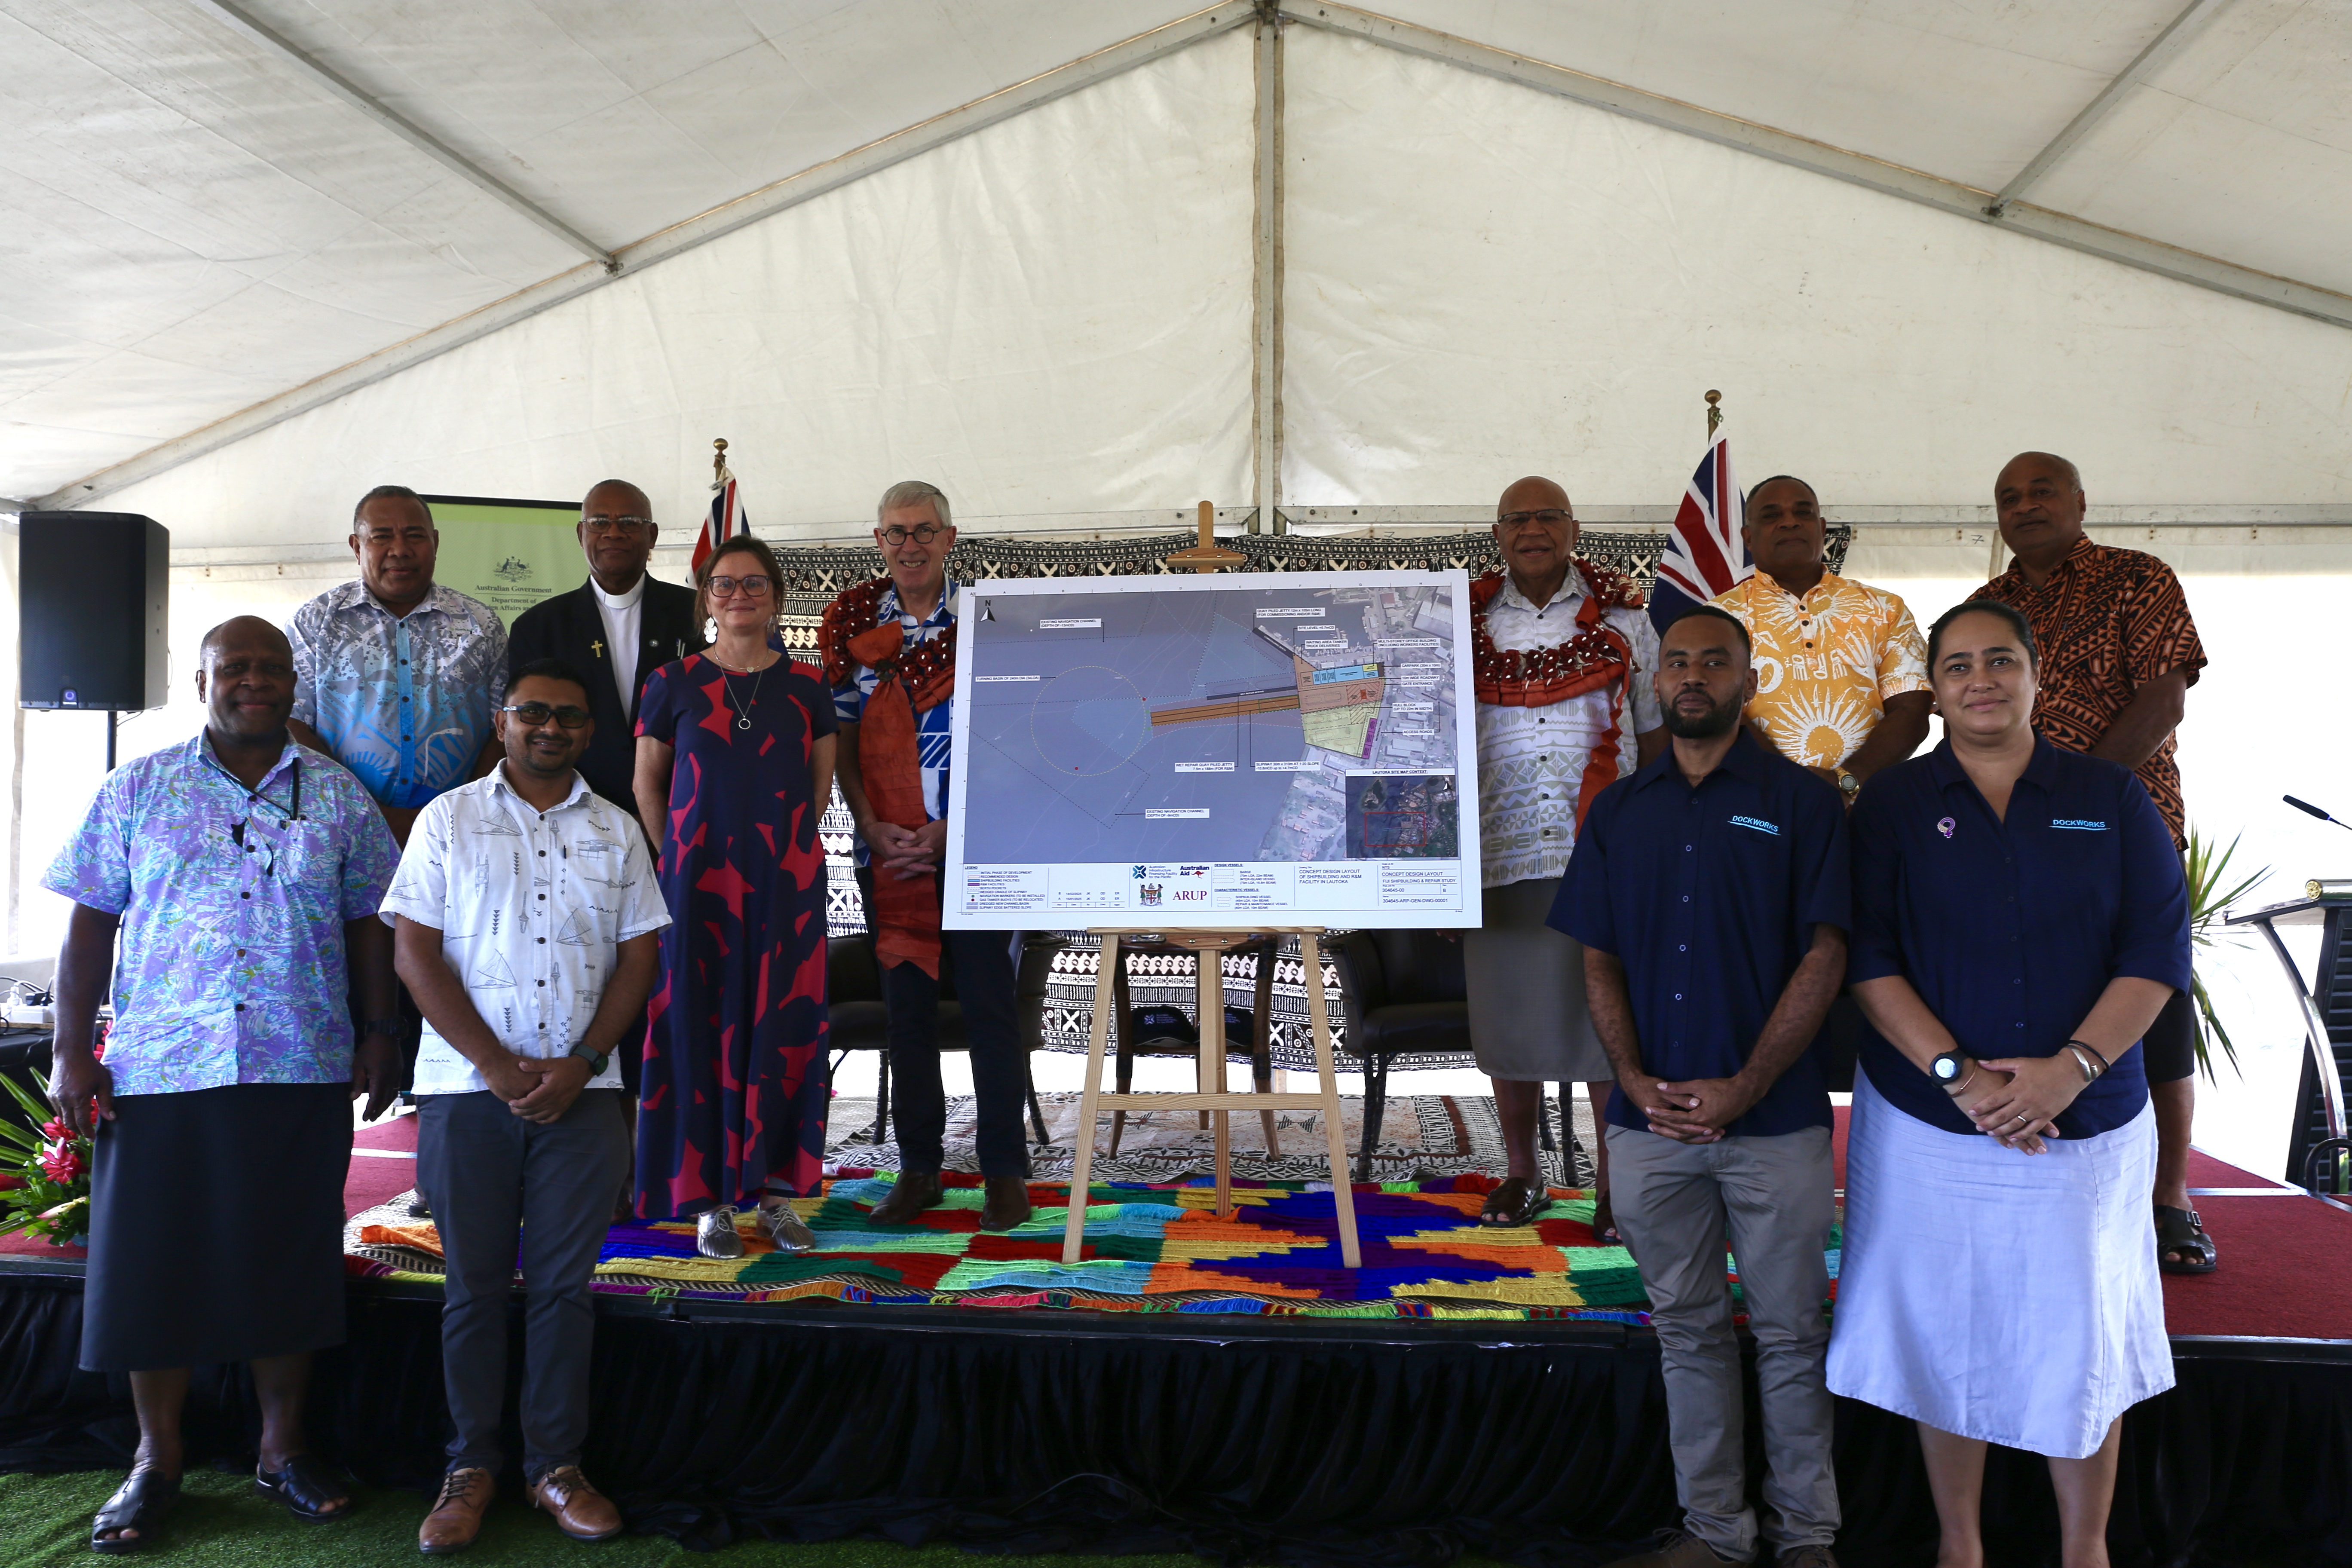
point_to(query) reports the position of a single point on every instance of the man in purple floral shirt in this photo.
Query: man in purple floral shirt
(243, 872)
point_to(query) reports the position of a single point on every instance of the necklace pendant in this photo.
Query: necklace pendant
(744, 722)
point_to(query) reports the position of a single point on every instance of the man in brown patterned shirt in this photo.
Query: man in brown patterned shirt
(2117, 654)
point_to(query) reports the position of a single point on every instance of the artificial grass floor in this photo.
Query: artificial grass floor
(221, 1522)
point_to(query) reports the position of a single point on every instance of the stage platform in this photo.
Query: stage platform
(1390, 1436)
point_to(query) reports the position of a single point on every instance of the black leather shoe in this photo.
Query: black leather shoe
(1516, 1202)
(1007, 1205)
(909, 1197)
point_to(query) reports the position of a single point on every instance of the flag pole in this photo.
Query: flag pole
(1714, 414)
(718, 462)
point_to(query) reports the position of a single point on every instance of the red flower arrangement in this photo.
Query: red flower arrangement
(47, 1175)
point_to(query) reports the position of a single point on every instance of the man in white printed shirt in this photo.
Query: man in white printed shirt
(524, 915)
(1563, 657)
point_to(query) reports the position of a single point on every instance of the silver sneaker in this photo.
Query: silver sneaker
(715, 1235)
(786, 1228)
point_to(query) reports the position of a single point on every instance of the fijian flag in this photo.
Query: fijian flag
(1706, 554)
(725, 519)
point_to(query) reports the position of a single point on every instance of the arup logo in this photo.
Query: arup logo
(513, 570)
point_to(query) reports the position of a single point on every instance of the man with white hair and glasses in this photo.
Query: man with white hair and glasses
(888, 653)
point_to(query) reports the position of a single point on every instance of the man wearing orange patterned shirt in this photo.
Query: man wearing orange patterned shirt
(2118, 654)
(1841, 671)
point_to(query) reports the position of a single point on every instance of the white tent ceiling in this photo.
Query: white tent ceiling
(197, 225)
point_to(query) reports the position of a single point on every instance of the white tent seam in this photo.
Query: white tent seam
(660, 246)
(415, 135)
(1879, 175)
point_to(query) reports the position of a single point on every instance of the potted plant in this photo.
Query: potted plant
(2210, 894)
(46, 1175)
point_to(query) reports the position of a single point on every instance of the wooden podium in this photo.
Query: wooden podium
(1210, 944)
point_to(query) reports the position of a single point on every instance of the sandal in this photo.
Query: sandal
(1604, 1222)
(140, 1503)
(2182, 1232)
(302, 1486)
(1516, 1202)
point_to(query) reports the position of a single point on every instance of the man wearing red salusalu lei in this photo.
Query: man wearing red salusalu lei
(889, 652)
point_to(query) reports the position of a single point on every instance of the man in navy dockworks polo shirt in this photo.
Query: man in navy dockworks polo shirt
(1710, 892)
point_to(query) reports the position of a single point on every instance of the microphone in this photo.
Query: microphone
(2305, 806)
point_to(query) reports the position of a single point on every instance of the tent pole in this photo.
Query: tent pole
(1266, 343)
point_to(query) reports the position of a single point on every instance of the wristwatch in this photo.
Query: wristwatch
(390, 1028)
(1848, 785)
(596, 1059)
(1947, 1069)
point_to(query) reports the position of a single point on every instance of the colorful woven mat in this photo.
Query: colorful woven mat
(1148, 1249)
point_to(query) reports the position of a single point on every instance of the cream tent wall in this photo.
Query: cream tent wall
(1361, 268)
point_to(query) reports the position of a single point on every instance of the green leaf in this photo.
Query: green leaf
(39, 1110)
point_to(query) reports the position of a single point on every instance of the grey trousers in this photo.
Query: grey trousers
(493, 1175)
(1675, 1203)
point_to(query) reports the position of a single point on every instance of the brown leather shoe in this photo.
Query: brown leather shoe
(1007, 1205)
(457, 1516)
(581, 1511)
(1677, 1549)
(909, 1197)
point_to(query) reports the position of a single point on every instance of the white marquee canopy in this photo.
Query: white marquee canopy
(1085, 263)
(1070, 259)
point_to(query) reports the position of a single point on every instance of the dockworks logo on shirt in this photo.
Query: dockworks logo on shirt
(1758, 824)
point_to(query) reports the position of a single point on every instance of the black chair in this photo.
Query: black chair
(1249, 1033)
(1404, 993)
(860, 1021)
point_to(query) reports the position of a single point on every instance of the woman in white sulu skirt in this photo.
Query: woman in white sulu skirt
(2020, 919)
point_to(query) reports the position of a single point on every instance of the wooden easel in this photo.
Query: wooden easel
(1211, 943)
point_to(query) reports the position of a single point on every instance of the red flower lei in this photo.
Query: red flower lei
(928, 668)
(1537, 678)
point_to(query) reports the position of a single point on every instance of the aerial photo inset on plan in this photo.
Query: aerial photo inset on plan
(1211, 725)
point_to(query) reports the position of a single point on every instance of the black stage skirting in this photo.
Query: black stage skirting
(1243, 1440)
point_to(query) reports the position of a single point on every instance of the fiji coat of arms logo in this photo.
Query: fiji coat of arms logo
(1152, 892)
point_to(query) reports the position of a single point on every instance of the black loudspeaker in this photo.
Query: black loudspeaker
(92, 592)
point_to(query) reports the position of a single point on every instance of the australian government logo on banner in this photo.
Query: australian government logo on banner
(509, 554)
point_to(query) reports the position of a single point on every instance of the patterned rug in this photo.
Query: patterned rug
(1422, 1136)
(1148, 1249)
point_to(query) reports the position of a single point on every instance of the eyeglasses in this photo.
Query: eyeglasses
(616, 524)
(921, 533)
(534, 714)
(1550, 516)
(755, 586)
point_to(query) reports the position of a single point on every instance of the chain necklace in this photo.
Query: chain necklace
(743, 706)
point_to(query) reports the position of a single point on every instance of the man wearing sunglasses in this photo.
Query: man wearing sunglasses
(524, 917)
(616, 627)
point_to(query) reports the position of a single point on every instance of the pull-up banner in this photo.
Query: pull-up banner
(509, 554)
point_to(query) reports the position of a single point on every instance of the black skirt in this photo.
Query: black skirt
(216, 1227)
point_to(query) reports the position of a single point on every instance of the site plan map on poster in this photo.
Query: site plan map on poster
(1297, 746)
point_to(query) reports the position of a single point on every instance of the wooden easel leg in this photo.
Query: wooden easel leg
(1213, 1046)
(1262, 1043)
(1073, 1234)
(1343, 1197)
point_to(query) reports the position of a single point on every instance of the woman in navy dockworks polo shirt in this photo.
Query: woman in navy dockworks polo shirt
(2019, 920)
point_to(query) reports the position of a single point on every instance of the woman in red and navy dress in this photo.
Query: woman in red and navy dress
(735, 765)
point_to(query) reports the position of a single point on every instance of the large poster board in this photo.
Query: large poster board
(509, 554)
(1297, 746)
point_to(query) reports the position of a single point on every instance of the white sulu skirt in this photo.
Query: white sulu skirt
(1995, 1295)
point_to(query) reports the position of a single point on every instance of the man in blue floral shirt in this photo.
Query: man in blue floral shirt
(243, 872)
(398, 675)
